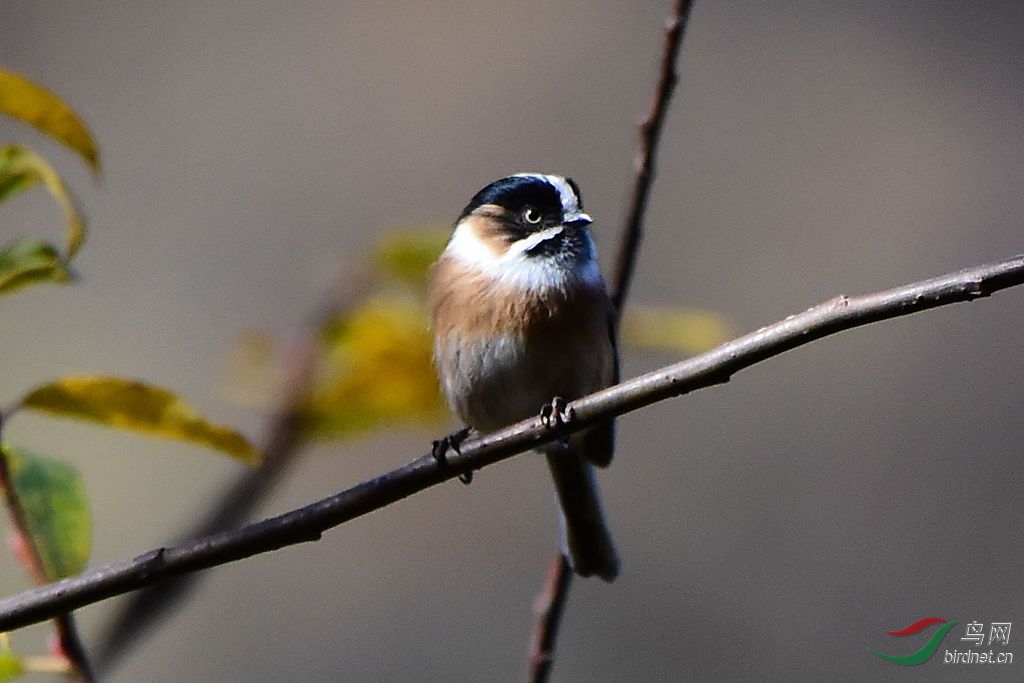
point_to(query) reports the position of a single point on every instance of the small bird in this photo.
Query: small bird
(522, 322)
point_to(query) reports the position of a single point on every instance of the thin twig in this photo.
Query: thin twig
(235, 504)
(548, 609)
(650, 135)
(556, 592)
(309, 522)
(64, 623)
(71, 647)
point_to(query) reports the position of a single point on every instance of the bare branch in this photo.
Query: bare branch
(551, 601)
(548, 609)
(309, 522)
(650, 135)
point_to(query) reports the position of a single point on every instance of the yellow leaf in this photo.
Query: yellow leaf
(377, 369)
(11, 666)
(407, 255)
(673, 329)
(134, 406)
(37, 106)
(21, 168)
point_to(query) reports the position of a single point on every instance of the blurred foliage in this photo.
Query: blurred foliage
(675, 330)
(253, 373)
(53, 500)
(376, 369)
(10, 666)
(30, 102)
(53, 530)
(52, 534)
(25, 261)
(406, 255)
(135, 406)
(21, 169)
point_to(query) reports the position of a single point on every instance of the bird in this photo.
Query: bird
(522, 322)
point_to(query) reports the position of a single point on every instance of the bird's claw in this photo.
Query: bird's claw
(440, 447)
(556, 413)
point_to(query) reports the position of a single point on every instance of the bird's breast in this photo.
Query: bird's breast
(502, 352)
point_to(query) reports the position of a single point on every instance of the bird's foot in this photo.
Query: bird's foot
(556, 414)
(440, 447)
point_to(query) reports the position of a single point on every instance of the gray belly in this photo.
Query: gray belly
(494, 384)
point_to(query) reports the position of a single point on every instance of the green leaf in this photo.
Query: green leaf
(11, 183)
(134, 406)
(10, 666)
(14, 177)
(27, 261)
(37, 106)
(21, 168)
(56, 510)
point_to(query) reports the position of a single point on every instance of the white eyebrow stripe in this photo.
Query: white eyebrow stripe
(570, 202)
(527, 243)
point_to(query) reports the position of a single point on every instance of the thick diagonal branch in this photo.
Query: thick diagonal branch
(309, 522)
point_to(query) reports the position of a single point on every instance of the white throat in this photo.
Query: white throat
(516, 268)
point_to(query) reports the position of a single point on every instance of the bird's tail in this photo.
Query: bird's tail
(586, 540)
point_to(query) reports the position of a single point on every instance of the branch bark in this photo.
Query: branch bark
(548, 609)
(708, 369)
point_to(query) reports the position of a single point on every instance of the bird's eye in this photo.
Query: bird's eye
(532, 215)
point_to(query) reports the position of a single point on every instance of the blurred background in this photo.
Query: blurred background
(770, 529)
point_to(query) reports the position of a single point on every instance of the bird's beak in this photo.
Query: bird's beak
(577, 219)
